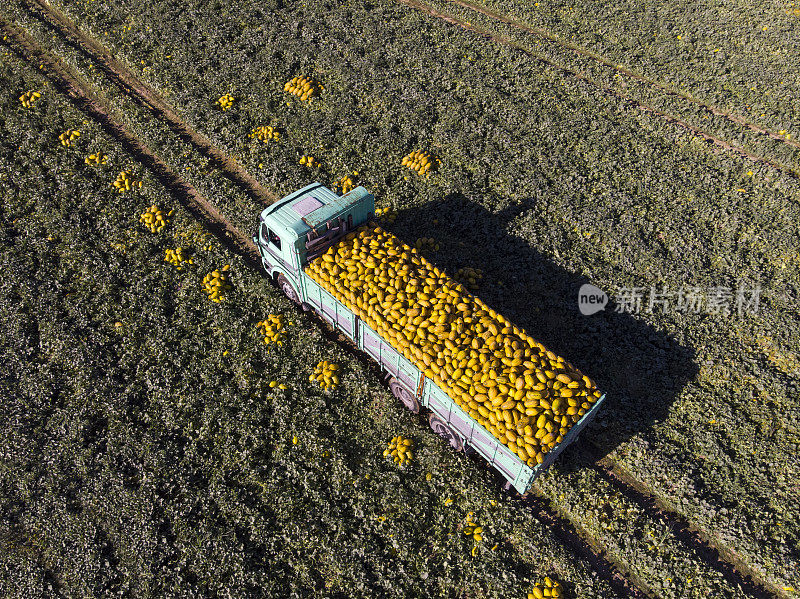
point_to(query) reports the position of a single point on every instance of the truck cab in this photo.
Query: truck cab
(301, 226)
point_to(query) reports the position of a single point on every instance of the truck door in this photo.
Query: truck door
(278, 251)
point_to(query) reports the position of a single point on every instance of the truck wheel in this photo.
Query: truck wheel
(513, 493)
(287, 289)
(404, 396)
(441, 428)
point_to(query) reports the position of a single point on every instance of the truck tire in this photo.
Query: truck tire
(287, 289)
(404, 396)
(441, 428)
(513, 493)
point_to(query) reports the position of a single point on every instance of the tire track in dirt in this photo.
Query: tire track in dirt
(146, 96)
(87, 101)
(716, 110)
(708, 550)
(712, 552)
(624, 98)
(580, 543)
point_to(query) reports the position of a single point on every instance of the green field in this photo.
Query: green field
(733, 55)
(723, 70)
(144, 460)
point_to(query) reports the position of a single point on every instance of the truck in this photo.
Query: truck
(307, 223)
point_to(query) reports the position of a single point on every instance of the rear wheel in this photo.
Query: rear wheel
(401, 393)
(513, 493)
(441, 428)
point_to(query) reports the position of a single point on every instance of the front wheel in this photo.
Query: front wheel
(441, 428)
(287, 289)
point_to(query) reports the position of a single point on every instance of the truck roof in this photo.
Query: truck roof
(309, 207)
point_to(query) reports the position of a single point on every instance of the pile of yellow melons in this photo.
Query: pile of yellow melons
(473, 530)
(28, 99)
(325, 373)
(469, 276)
(400, 449)
(177, 257)
(125, 182)
(154, 219)
(303, 87)
(548, 588)
(215, 284)
(273, 329)
(309, 161)
(426, 244)
(69, 136)
(98, 158)
(344, 185)
(225, 102)
(420, 161)
(526, 396)
(265, 133)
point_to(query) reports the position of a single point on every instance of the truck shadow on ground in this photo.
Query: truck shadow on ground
(641, 369)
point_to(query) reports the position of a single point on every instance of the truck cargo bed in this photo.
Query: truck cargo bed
(472, 433)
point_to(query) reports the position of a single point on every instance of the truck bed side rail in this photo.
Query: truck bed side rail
(474, 434)
(332, 310)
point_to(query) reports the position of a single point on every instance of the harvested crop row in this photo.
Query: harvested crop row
(525, 395)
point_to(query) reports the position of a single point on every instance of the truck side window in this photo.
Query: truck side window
(274, 239)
